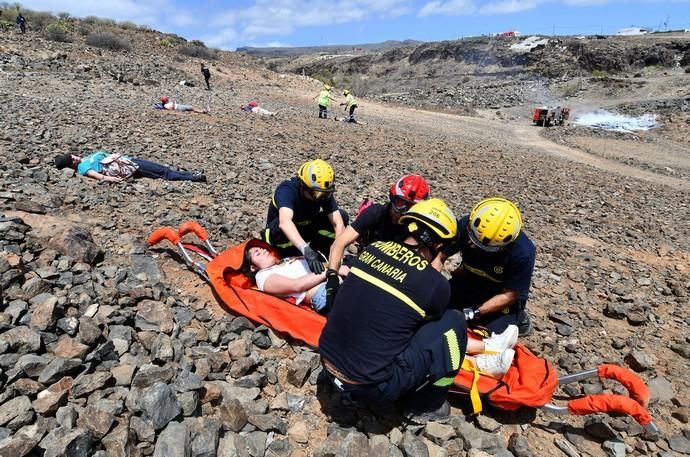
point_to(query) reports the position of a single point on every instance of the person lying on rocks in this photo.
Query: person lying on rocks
(254, 108)
(172, 105)
(288, 278)
(104, 166)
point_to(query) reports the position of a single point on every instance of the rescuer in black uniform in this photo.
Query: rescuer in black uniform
(390, 335)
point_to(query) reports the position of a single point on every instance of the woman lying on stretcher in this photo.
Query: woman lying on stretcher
(289, 277)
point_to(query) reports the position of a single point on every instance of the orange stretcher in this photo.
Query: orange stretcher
(530, 381)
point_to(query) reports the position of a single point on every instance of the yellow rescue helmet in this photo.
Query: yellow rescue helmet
(494, 223)
(430, 219)
(327, 87)
(317, 175)
(346, 92)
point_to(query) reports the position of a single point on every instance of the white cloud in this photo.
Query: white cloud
(225, 38)
(449, 8)
(508, 6)
(282, 17)
(183, 19)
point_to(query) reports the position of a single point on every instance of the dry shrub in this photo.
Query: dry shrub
(192, 50)
(107, 40)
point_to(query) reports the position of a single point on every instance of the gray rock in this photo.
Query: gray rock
(596, 427)
(269, 422)
(143, 429)
(380, 446)
(89, 331)
(86, 384)
(279, 448)
(679, 443)
(66, 417)
(614, 448)
(256, 443)
(23, 442)
(32, 365)
(567, 448)
(639, 361)
(43, 311)
(174, 441)
(74, 443)
(204, 433)
(159, 405)
(189, 402)
(413, 446)
(487, 423)
(14, 408)
(187, 381)
(439, 433)
(518, 445)
(660, 390)
(298, 372)
(96, 420)
(233, 415)
(150, 374)
(22, 340)
(153, 316)
(478, 439)
(77, 243)
(57, 369)
(232, 445)
(119, 442)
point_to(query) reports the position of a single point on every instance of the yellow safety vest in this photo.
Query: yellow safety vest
(324, 98)
(351, 100)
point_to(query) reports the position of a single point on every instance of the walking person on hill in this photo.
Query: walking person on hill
(207, 75)
(324, 99)
(350, 104)
(21, 22)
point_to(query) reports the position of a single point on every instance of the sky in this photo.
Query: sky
(228, 24)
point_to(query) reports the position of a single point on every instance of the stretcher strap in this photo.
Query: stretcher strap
(609, 403)
(474, 389)
(637, 389)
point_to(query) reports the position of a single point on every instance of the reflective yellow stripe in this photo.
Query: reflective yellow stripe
(273, 201)
(444, 382)
(327, 234)
(481, 273)
(390, 289)
(453, 348)
(267, 236)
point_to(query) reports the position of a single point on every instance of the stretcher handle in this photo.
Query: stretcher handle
(637, 389)
(193, 227)
(163, 233)
(610, 403)
(199, 231)
(650, 427)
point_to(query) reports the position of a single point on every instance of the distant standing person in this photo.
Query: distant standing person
(207, 75)
(21, 22)
(324, 99)
(350, 104)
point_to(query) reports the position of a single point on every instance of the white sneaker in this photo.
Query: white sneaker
(495, 364)
(499, 342)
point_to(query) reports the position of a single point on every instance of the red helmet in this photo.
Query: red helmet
(407, 191)
(164, 99)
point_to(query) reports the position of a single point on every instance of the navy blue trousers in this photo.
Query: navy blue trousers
(465, 294)
(422, 374)
(157, 171)
(318, 232)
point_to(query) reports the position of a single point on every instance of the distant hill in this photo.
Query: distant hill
(277, 52)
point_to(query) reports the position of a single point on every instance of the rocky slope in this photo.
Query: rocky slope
(110, 348)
